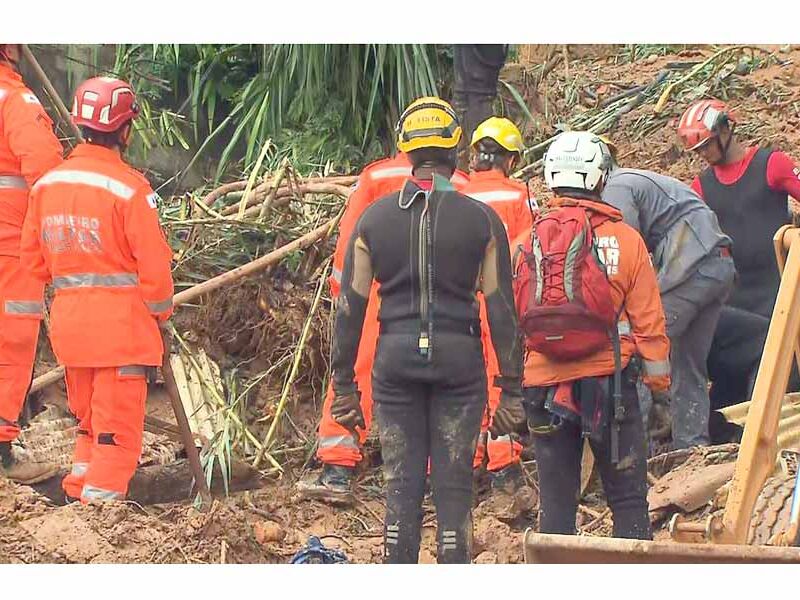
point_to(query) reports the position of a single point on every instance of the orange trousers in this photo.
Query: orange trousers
(337, 445)
(109, 405)
(502, 451)
(21, 302)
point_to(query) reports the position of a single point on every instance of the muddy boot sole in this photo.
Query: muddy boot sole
(311, 491)
(38, 478)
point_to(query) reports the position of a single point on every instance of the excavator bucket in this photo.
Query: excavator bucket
(541, 548)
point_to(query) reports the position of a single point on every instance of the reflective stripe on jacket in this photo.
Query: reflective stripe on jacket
(28, 148)
(92, 230)
(507, 197)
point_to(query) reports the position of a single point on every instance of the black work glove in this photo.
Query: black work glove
(346, 411)
(659, 421)
(510, 415)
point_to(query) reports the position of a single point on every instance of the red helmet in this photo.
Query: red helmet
(701, 122)
(104, 104)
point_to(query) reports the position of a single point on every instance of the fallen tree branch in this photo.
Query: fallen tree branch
(285, 195)
(239, 186)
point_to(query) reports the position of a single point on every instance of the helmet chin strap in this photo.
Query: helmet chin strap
(723, 148)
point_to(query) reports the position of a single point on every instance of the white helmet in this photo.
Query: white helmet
(577, 159)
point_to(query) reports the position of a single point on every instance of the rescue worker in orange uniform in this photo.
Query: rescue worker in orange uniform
(92, 231)
(577, 165)
(496, 149)
(28, 148)
(338, 449)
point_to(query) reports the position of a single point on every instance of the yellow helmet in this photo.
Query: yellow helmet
(428, 122)
(612, 147)
(502, 131)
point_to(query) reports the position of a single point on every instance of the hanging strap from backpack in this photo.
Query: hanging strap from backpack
(616, 394)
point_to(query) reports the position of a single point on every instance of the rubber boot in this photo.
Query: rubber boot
(454, 546)
(508, 479)
(401, 543)
(333, 486)
(25, 473)
(511, 497)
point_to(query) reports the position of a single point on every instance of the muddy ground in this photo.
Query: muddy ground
(270, 524)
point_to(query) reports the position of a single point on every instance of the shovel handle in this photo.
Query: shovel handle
(185, 430)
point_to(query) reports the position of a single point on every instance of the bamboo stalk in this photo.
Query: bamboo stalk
(239, 186)
(273, 191)
(255, 266)
(284, 195)
(253, 175)
(223, 191)
(219, 399)
(662, 100)
(298, 355)
(51, 91)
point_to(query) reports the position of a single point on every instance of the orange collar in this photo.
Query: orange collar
(595, 206)
(85, 150)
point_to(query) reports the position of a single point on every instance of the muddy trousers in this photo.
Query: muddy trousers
(21, 306)
(503, 451)
(692, 311)
(337, 445)
(736, 354)
(428, 410)
(558, 459)
(109, 404)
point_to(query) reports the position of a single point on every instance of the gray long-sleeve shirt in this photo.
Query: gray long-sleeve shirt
(678, 228)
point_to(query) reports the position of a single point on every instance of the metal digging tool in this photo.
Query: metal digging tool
(750, 510)
(186, 432)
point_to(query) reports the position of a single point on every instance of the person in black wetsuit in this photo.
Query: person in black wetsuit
(432, 250)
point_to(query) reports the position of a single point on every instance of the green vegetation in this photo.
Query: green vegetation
(316, 103)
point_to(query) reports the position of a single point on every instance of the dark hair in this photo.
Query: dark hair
(107, 139)
(578, 193)
(444, 157)
(490, 155)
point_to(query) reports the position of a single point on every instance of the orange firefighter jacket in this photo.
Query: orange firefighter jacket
(508, 198)
(378, 179)
(634, 289)
(28, 148)
(92, 230)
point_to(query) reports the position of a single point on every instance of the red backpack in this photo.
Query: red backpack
(561, 289)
